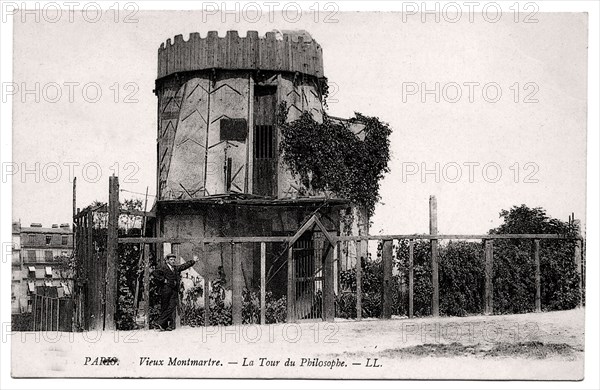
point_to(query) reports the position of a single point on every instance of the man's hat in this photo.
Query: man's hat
(169, 255)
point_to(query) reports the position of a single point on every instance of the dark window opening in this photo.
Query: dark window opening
(264, 147)
(48, 240)
(234, 129)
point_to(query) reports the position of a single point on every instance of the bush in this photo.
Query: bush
(514, 266)
(21, 322)
(127, 273)
(423, 289)
(372, 291)
(462, 273)
(461, 278)
(221, 314)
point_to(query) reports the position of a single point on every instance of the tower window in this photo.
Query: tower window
(234, 129)
(264, 142)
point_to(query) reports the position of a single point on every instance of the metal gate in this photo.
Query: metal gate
(308, 279)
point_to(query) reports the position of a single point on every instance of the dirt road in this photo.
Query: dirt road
(525, 346)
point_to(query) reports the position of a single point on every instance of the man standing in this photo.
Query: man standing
(169, 275)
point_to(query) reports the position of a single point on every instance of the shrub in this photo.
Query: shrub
(514, 267)
(461, 278)
(21, 322)
(221, 314)
(372, 291)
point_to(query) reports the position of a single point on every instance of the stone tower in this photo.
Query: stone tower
(217, 105)
(219, 172)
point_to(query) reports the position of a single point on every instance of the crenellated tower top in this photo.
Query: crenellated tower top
(280, 51)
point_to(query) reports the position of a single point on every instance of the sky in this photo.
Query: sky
(521, 112)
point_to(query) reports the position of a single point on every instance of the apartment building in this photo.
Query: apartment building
(40, 257)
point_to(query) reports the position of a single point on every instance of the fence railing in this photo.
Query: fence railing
(362, 241)
(52, 313)
(102, 272)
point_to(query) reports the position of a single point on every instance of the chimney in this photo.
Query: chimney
(54, 226)
(65, 226)
(36, 225)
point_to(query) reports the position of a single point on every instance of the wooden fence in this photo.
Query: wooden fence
(52, 313)
(387, 258)
(108, 274)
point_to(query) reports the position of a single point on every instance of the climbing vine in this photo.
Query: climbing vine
(328, 156)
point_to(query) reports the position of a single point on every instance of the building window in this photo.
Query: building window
(31, 256)
(31, 272)
(49, 272)
(31, 238)
(64, 240)
(48, 256)
(48, 240)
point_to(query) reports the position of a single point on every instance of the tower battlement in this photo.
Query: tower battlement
(276, 51)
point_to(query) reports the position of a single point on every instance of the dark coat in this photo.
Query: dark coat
(169, 292)
(171, 279)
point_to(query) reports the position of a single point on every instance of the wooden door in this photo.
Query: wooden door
(264, 175)
(308, 279)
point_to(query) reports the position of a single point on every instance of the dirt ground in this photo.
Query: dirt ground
(524, 346)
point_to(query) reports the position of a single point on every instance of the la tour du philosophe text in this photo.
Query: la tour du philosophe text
(258, 362)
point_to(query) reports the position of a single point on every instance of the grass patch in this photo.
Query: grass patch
(528, 350)
(531, 350)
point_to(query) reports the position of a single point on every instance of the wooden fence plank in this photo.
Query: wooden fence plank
(147, 286)
(45, 308)
(578, 267)
(489, 273)
(58, 315)
(328, 294)
(291, 288)
(578, 262)
(112, 255)
(236, 295)
(216, 240)
(411, 278)
(433, 230)
(206, 288)
(456, 237)
(95, 316)
(538, 289)
(387, 279)
(34, 309)
(358, 266)
(263, 282)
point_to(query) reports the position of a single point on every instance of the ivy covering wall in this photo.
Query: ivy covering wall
(329, 157)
